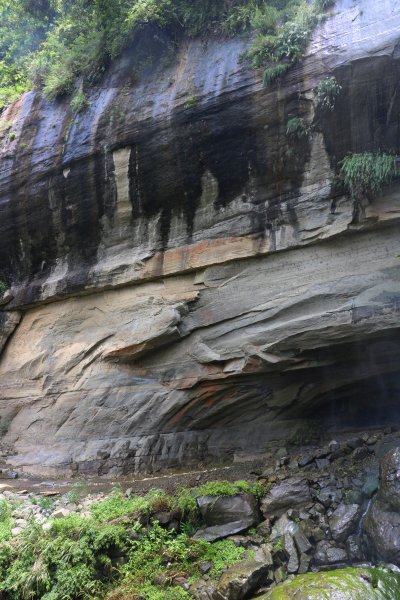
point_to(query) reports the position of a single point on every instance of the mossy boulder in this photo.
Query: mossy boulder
(343, 584)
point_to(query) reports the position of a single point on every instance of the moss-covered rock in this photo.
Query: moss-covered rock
(343, 584)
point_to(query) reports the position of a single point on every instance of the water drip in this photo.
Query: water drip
(363, 517)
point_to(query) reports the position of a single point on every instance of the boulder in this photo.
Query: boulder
(344, 521)
(342, 584)
(283, 526)
(291, 552)
(354, 548)
(328, 554)
(219, 510)
(390, 479)
(241, 579)
(382, 527)
(203, 589)
(382, 523)
(290, 493)
(218, 532)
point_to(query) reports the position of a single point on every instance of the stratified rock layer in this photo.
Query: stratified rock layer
(193, 283)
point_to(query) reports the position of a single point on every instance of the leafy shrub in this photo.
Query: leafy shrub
(326, 93)
(367, 173)
(266, 19)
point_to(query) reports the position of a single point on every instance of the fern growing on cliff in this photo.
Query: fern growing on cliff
(367, 173)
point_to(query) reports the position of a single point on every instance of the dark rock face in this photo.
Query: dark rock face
(226, 515)
(194, 285)
(390, 479)
(382, 524)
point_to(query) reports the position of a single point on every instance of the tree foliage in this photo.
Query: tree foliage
(48, 44)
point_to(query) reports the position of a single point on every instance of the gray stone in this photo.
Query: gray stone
(354, 548)
(329, 495)
(389, 491)
(263, 554)
(283, 526)
(218, 532)
(344, 521)
(327, 553)
(322, 463)
(360, 453)
(290, 549)
(240, 580)
(264, 528)
(226, 509)
(305, 459)
(304, 563)
(206, 566)
(382, 527)
(291, 493)
(370, 486)
(302, 543)
(203, 589)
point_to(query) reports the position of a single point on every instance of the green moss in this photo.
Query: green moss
(346, 584)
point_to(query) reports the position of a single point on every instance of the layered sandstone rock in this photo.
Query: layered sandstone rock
(193, 283)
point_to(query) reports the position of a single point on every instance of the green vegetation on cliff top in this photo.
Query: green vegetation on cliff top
(63, 46)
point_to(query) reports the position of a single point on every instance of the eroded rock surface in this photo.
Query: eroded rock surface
(383, 520)
(193, 286)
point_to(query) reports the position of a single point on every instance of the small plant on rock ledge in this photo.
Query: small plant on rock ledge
(297, 129)
(326, 93)
(365, 174)
(3, 284)
(79, 102)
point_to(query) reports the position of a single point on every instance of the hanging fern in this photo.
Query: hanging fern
(367, 173)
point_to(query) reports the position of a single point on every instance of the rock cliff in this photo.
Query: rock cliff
(188, 282)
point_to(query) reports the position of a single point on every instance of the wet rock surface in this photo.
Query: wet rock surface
(190, 292)
(291, 493)
(382, 523)
(225, 509)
